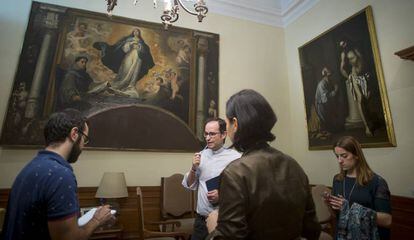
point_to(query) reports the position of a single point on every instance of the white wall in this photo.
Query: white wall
(251, 56)
(394, 23)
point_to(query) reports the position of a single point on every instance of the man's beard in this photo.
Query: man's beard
(75, 152)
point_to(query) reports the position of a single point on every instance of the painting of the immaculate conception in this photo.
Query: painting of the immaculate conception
(88, 61)
(121, 63)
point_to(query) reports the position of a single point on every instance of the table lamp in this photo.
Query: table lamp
(112, 186)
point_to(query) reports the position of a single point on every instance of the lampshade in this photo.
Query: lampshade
(113, 185)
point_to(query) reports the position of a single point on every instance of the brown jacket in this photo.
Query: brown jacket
(265, 195)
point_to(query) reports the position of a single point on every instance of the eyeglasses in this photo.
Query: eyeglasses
(210, 134)
(86, 139)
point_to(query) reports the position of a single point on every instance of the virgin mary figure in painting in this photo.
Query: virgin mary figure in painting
(130, 58)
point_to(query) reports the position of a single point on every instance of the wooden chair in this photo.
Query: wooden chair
(2, 214)
(325, 236)
(323, 212)
(177, 203)
(147, 234)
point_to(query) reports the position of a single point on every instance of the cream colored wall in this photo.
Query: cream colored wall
(394, 23)
(251, 56)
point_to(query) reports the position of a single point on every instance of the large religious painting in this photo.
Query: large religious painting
(344, 86)
(95, 63)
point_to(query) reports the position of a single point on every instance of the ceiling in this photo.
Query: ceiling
(277, 13)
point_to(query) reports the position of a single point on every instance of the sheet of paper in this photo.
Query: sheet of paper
(88, 216)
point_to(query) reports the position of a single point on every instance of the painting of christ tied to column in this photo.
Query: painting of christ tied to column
(88, 61)
(344, 86)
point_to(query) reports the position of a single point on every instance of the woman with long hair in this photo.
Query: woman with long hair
(357, 183)
(265, 194)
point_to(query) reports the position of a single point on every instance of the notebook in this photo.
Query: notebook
(213, 183)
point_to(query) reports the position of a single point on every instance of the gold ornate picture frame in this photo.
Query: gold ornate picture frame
(142, 87)
(344, 86)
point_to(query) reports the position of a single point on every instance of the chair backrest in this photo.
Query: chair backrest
(2, 214)
(322, 209)
(156, 235)
(176, 201)
(140, 210)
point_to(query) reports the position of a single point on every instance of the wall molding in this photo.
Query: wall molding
(277, 15)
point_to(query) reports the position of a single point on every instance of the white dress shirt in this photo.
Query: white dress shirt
(212, 164)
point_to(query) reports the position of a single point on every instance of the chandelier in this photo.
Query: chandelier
(171, 10)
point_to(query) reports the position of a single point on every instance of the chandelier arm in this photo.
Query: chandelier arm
(185, 8)
(170, 16)
(174, 18)
(203, 8)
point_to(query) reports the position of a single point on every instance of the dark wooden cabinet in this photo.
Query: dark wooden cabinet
(113, 232)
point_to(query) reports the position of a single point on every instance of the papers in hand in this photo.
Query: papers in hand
(213, 183)
(88, 216)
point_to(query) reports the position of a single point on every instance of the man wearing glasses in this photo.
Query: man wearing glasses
(43, 202)
(207, 165)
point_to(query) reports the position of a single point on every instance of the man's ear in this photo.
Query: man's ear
(74, 134)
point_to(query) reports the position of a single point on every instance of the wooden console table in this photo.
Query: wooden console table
(113, 232)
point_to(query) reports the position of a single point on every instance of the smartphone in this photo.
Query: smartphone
(326, 195)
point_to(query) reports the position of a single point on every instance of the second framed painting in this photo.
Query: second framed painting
(344, 85)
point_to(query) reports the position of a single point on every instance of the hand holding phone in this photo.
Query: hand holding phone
(326, 195)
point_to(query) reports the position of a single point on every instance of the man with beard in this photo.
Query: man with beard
(43, 201)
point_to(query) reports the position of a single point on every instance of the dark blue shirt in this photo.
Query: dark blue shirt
(374, 195)
(45, 190)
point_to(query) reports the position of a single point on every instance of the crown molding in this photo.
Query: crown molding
(278, 14)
